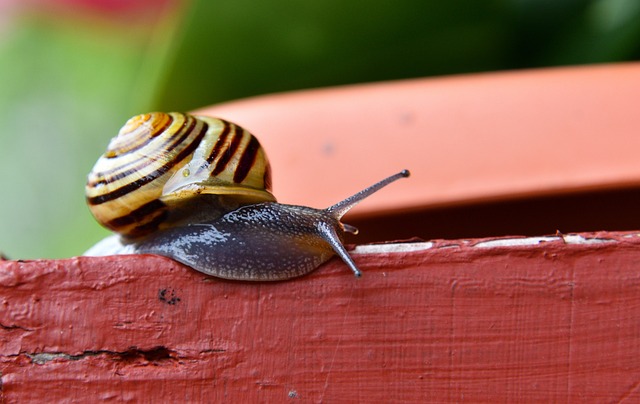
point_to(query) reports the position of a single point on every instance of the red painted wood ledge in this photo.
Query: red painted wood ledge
(516, 319)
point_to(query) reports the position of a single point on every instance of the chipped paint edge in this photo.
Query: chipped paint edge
(575, 239)
(393, 247)
(528, 241)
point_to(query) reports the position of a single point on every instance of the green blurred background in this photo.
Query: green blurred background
(73, 71)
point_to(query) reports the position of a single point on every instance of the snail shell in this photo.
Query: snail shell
(197, 189)
(162, 167)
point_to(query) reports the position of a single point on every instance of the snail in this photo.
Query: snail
(198, 190)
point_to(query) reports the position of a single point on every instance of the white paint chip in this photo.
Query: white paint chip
(578, 239)
(510, 242)
(392, 248)
(525, 241)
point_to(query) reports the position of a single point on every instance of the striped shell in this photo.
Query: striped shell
(151, 171)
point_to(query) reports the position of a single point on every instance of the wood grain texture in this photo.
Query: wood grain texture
(449, 321)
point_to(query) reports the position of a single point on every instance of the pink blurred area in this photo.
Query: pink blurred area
(115, 10)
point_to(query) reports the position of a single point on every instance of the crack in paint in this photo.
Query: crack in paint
(157, 354)
(219, 350)
(14, 327)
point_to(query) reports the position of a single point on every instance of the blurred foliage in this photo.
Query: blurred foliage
(72, 71)
(235, 49)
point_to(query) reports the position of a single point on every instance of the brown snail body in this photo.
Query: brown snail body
(227, 227)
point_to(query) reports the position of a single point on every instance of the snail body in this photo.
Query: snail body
(226, 226)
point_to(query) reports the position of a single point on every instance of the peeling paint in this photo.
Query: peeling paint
(527, 241)
(497, 242)
(578, 239)
(392, 248)
(515, 242)
(155, 355)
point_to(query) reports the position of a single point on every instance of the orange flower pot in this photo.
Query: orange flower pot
(467, 140)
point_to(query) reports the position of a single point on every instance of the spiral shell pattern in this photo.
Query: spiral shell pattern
(159, 159)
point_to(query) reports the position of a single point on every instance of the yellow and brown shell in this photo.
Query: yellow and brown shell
(160, 160)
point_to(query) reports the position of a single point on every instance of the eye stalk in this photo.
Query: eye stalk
(341, 208)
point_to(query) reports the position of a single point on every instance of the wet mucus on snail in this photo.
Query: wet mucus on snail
(198, 190)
